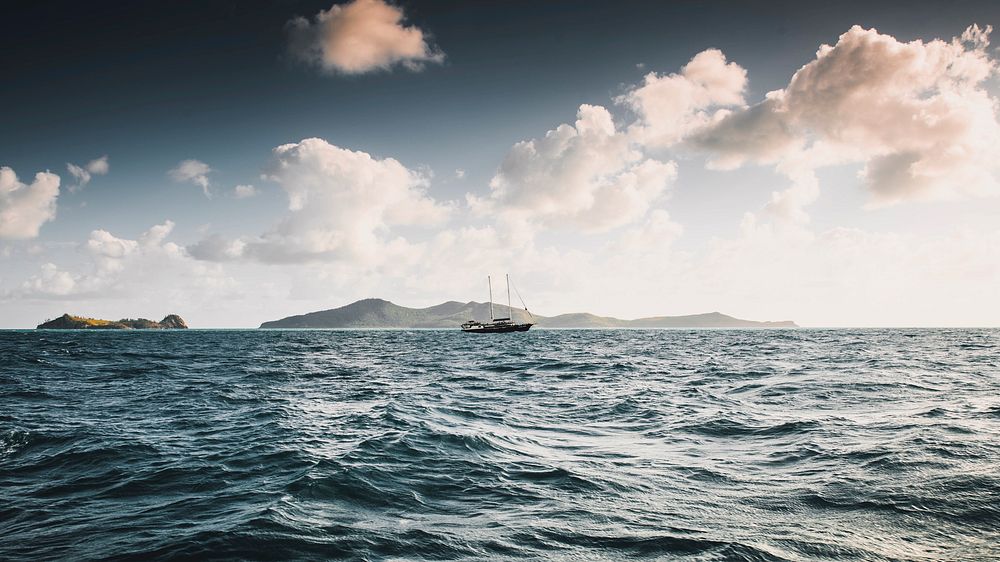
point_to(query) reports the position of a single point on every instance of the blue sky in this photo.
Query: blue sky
(224, 84)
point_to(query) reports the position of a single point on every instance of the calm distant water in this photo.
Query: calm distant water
(707, 445)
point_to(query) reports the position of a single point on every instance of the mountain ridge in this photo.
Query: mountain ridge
(380, 313)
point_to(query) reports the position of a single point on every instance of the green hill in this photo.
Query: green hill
(378, 313)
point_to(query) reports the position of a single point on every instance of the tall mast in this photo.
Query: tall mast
(490, 283)
(510, 311)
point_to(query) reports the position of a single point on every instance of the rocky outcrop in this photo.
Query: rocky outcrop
(173, 322)
(69, 322)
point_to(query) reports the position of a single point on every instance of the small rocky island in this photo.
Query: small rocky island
(69, 322)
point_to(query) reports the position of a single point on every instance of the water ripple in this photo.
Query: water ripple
(588, 444)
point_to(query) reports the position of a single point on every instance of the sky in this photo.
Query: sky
(237, 162)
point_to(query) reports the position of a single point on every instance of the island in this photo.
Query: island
(69, 322)
(379, 313)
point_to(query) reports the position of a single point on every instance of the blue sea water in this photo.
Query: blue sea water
(576, 444)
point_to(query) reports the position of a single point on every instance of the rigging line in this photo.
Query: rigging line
(518, 293)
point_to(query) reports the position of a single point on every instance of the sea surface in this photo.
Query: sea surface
(560, 444)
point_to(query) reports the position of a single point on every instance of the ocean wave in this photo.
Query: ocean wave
(564, 445)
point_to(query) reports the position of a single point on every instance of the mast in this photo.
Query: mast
(510, 311)
(490, 283)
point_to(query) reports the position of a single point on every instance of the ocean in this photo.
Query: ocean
(806, 444)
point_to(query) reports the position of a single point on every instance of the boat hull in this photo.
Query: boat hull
(496, 329)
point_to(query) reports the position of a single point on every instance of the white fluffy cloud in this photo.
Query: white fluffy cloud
(83, 174)
(244, 191)
(916, 115)
(103, 243)
(192, 171)
(149, 268)
(342, 205)
(913, 117)
(588, 175)
(112, 254)
(670, 106)
(50, 281)
(25, 208)
(361, 36)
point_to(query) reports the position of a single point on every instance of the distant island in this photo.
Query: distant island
(69, 322)
(378, 313)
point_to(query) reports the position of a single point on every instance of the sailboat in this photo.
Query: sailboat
(498, 325)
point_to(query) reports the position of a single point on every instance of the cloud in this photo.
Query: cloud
(99, 166)
(342, 205)
(244, 191)
(149, 268)
(110, 256)
(360, 36)
(111, 252)
(25, 208)
(670, 106)
(845, 276)
(588, 175)
(192, 171)
(104, 244)
(459, 174)
(832, 277)
(647, 239)
(916, 115)
(348, 230)
(83, 174)
(217, 248)
(50, 281)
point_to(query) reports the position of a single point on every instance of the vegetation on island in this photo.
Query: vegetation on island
(378, 313)
(70, 322)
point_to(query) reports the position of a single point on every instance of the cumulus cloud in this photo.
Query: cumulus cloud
(915, 114)
(361, 36)
(244, 191)
(342, 204)
(217, 248)
(347, 228)
(192, 171)
(83, 174)
(25, 208)
(104, 244)
(672, 105)
(589, 175)
(112, 254)
(148, 267)
(50, 281)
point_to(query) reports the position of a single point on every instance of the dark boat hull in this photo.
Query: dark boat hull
(497, 329)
